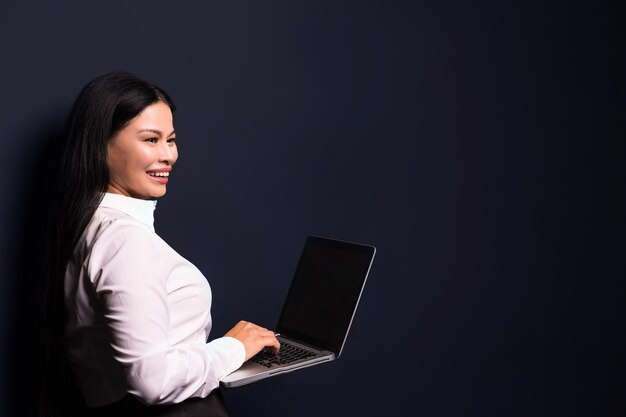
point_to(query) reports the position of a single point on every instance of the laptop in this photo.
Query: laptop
(318, 311)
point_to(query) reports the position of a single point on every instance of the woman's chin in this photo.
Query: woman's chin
(160, 192)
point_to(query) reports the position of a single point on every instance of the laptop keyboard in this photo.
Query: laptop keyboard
(288, 353)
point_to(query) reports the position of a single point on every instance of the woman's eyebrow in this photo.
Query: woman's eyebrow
(155, 131)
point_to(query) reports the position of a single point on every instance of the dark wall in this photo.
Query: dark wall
(479, 146)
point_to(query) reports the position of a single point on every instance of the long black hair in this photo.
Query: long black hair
(78, 177)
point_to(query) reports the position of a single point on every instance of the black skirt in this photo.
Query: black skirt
(129, 406)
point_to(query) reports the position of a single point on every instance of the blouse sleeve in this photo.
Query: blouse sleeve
(130, 282)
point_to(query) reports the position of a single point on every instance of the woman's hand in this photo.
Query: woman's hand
(254, 338)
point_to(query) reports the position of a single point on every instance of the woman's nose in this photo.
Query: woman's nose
(167, 152)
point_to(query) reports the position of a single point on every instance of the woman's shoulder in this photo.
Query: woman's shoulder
(121, 245)
(112, 234)
(113, 226)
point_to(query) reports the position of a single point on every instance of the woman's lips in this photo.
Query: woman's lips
(162, 177)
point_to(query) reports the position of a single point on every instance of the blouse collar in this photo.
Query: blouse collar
(142, 210)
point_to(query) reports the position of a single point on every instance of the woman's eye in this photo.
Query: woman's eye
(171, 140)
(152, 140)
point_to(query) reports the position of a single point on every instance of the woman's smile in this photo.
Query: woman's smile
(162, 177)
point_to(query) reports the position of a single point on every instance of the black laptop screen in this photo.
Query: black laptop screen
(324, 292)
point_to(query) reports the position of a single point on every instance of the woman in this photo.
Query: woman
(134, 315)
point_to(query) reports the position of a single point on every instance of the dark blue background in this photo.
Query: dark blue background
(479, 145)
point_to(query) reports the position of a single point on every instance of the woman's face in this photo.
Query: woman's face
(141, 155)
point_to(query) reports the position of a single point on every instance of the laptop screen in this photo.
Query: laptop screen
(325, 292)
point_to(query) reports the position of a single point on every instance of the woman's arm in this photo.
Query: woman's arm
(130, 280)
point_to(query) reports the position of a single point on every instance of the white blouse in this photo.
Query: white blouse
(139, 313)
